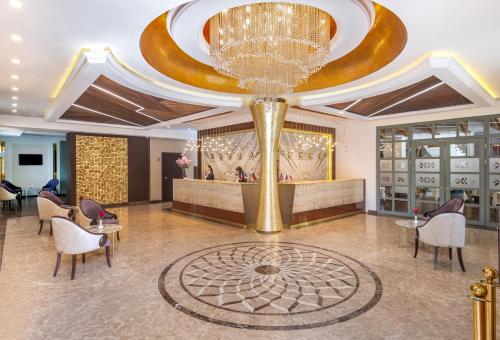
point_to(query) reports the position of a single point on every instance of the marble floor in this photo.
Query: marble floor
(176, 277)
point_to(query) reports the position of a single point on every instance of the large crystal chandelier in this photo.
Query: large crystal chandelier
(270, 47)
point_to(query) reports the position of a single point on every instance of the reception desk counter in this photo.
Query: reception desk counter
(301, 203)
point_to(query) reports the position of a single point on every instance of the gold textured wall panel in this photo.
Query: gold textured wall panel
(102, 168)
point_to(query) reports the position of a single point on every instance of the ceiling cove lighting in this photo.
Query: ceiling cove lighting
(15, 61)
(105, 114)
(270, 47)
(15, 37)
(408, 98)
(351, 105)
(140, 108)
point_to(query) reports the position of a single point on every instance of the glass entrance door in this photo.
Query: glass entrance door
(442, 170)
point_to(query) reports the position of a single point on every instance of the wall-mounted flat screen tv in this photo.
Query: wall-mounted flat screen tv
(30, 159)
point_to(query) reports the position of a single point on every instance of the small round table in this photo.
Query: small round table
(411, 224)
(108, 229)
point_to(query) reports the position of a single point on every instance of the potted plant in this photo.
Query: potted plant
(183, 163)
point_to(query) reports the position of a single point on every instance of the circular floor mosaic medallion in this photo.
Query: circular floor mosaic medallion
(270, 286)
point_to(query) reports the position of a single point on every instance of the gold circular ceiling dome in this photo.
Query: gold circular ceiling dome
(385, 40)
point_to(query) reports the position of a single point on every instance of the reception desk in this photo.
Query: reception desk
(301, 203)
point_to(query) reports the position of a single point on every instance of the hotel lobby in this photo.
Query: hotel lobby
(192, 169)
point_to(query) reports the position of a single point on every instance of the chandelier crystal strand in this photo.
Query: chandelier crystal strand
(270, 48)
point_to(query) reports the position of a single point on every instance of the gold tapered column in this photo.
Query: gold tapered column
(268, 117)
(479, 292)
(490, 305)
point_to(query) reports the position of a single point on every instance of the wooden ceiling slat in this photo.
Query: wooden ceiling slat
(102, 101)
(439, 97)
(78, 114)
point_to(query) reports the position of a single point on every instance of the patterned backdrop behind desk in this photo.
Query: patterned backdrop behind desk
(304, 155)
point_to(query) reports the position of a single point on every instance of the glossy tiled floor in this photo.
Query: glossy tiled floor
(125, 301)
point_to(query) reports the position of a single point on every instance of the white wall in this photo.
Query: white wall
(356, 154)
(31, 175)
(156, 147)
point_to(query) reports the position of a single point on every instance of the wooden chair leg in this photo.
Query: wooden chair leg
(83, 258)
(41, 226)
(108, 258)
(416, 244)
(50, 228)
(73, 266)
(459, 253)
(436, 256)
(450, 253)
(58, 262)
(118, 235)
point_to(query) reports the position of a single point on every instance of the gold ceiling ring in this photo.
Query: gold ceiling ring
(383, 43)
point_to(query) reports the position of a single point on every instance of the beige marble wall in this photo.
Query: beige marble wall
(314, 195)
(225, 152)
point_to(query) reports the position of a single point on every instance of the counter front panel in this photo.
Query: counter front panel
(300, 202)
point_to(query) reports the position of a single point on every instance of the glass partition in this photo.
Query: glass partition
(426, 164)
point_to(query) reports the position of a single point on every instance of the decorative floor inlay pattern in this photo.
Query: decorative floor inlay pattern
(270, 286)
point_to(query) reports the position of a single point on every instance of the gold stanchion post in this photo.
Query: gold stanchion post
(479, 292)
(491, 275)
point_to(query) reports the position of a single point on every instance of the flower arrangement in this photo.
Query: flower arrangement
(415, 211)
(183, 163)
(101, 215)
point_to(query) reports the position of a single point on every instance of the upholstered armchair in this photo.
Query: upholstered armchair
(49, 195)
(445, 230)
(89, 214)
(47, 209)
(454, 205)
(13, 188)
(7, 196)
(72, 239)
(51, 186)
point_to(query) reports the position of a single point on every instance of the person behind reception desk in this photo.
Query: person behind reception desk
(240, 175)
(209, 174)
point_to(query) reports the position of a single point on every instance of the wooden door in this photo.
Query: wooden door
(169, 171)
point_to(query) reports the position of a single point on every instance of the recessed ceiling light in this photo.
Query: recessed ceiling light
(15, 37)
(14, 104)
(14, 89)
(16, 4)
(14, 97)
(15, 61)
(14, 76)
(14, 110)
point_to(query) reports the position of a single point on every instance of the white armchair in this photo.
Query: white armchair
(443, 230)
(47, 209)
(72, 239)
(7, 196)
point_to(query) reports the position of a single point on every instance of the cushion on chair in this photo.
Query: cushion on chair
(450, 206)
(49, 195)
(91, 208)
